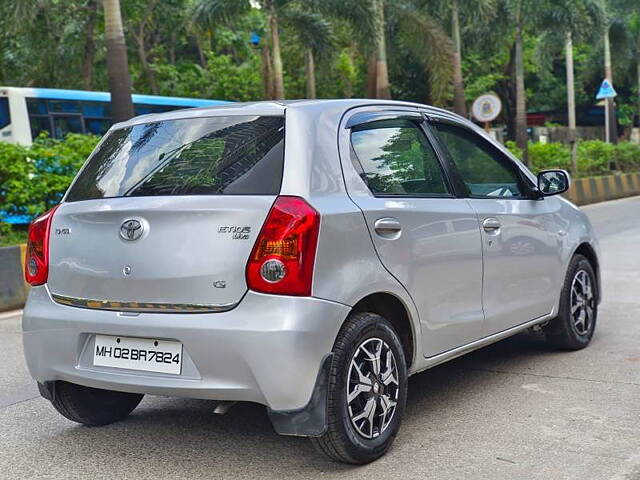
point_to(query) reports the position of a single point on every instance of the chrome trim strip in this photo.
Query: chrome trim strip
(141, 307)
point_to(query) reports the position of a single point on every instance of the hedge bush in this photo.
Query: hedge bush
(595, 157)
(34, 179)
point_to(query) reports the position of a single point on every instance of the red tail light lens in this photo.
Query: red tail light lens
(282, 258)
(36, 262)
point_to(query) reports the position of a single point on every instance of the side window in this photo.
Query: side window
(484, 170)
(5, 117)
(397, 159)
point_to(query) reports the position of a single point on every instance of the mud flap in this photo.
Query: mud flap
(311, 420)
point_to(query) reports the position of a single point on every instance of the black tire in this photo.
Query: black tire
(562, 332)
(342, 442)
(92, 406)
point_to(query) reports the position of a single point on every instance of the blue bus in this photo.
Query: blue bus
(25, 112)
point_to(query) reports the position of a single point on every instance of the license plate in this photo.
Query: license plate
(145, 354)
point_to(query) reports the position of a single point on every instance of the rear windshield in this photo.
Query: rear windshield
(237, 155)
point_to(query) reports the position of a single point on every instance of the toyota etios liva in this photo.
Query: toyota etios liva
(308, 256)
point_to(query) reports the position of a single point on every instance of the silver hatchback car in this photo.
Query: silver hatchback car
(308, 256)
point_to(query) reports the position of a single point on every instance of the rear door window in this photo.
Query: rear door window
(236, 155)
(394, 157)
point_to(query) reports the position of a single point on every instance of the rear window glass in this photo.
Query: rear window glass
(238, 155)
(5, 118)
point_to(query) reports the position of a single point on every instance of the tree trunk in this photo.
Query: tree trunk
(382, 72)
(89, 45)
(144, 61)
(507, 93)
(148, 71)
(521, 112)
(311, 73)
(638, 71)
(371, 76)
(201, 55)
(612, 131)
(117, 64)
(278, 75)
(172, 48)
(459, 104)
(571, 103)
(143, 52)
(267, 73)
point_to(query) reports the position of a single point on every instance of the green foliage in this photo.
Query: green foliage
(33, 179)
(595, 157)
(627, 157)
(549, 155)
(11, 235)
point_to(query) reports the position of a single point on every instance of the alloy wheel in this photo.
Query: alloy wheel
(372, 387)
(582, 302)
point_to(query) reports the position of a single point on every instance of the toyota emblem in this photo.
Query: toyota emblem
(131, 230)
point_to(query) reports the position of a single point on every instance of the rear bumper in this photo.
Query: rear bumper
(269, 349)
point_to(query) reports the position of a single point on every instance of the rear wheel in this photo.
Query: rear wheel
(573, 328)
(93, 406)
(367, 391)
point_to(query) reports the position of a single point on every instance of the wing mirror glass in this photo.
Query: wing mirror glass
(553, 182)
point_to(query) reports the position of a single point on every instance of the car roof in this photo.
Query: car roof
(276, 108)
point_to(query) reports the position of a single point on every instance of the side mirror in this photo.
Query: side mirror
(553, 182)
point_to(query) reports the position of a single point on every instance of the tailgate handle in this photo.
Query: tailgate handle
(387, 227)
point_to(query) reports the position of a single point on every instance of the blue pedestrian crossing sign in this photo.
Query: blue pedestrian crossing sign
(606, 90)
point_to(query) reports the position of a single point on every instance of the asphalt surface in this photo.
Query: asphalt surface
(514, 410)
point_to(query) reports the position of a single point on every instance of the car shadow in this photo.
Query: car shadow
(185, 436)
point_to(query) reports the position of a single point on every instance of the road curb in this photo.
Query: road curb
(13, 288)
(585, 191)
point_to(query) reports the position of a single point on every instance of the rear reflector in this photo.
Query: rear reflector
(36, 263)
(284, 254)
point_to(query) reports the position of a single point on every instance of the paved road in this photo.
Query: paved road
(513, 410)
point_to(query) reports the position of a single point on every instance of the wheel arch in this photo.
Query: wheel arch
(392, 308)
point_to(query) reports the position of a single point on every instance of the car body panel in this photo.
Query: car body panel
(522, 259)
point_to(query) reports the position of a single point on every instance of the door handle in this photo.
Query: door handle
(387, 227)
(491, 225)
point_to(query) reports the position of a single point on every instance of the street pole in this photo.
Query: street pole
(571, 105)
(610, 122)
(607, 131)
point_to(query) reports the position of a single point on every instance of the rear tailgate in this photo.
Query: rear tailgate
(192, 250)
(164, 215)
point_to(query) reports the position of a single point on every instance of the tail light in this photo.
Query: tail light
(36, 262)
(282, 258)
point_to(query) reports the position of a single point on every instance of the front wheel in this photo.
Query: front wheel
(367, 391)
(573, 328)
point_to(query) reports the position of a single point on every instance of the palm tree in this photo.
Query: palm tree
(570, 20)
(521, 112)
(634, 26)
(477, 11)
(315, 34)
(117, 64)
(406, 25)
(212, 11)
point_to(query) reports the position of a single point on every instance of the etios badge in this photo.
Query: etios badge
(131, 230)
